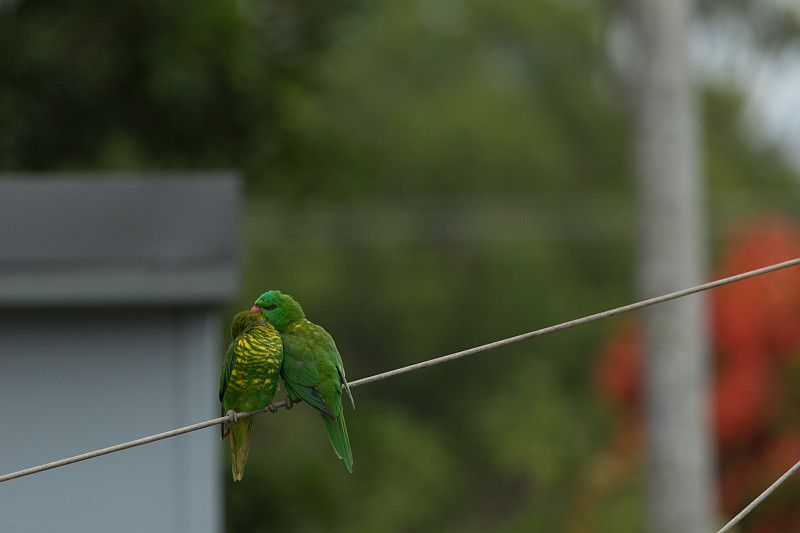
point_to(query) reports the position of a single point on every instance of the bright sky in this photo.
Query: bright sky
(726, 53)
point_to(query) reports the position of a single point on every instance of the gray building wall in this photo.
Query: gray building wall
(110, 293)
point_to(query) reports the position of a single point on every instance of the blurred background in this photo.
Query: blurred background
(426, 176)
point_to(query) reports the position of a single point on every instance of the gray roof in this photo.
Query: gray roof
(119, 239)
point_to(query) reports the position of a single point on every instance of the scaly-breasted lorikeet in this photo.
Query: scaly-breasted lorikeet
(249, 378)
(312, 367)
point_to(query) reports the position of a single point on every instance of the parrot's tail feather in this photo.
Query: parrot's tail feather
(240, 432)
(337, 432)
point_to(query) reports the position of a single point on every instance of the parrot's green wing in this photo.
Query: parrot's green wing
(328, 359)
(310, 372)
(227, 367)
(332, 354)
(300, 373)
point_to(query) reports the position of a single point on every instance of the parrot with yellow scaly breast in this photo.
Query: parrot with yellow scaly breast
(249, 379)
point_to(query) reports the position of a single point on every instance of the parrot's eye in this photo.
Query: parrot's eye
(270, 307)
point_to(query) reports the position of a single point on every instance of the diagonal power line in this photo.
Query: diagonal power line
(424, 364)
(761, 497)
(577, 322)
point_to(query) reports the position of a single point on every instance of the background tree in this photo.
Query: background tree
(672, 248)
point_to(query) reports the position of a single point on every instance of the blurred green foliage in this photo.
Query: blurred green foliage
(424, 176)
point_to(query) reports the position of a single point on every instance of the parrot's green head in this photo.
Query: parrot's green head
(280, 309)
(246, 320)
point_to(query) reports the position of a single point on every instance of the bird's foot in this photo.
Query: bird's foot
(272, 407)
(289, 403)
(233, 416)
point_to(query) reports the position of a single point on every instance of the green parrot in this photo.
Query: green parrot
(249, 378)
(312, 367)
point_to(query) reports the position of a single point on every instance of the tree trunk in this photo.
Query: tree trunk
(671, 248)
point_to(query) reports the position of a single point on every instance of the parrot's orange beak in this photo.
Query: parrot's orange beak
(256, 308)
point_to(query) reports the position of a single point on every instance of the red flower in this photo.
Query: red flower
(756, 331)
